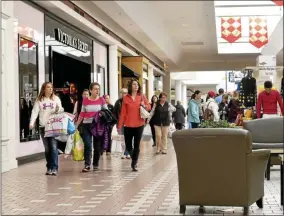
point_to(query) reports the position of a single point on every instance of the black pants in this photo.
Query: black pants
(178, 126)
(153, 133)
(194, 125)
(129, 134)
(109, 139)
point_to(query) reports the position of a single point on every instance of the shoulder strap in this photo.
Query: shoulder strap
(208, 104)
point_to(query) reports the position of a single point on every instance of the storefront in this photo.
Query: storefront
(50, 49)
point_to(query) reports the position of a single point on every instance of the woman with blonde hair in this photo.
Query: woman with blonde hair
(47, 104)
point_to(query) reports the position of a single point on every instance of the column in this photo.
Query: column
(150, 81)
(178, 90)
(167, 84)
(184, 90)
(113, 73)
(9, 135)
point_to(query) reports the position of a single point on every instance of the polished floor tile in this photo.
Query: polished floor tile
(113, 190)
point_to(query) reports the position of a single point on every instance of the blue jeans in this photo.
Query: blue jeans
(51, 152)
(90, 140)
(189, 125)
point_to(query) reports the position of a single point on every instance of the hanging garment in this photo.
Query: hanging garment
(282, 88)
(248, 91)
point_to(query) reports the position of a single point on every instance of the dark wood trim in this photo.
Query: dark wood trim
(30, 158)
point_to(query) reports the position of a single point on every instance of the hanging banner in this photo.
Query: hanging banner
(231, 28)
(258, 35)
(279, 3)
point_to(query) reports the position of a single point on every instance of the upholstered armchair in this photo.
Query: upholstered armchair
(217, 167)
(267, 134)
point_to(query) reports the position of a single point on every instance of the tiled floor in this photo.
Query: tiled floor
(113, 190)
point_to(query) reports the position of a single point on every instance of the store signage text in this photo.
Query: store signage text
(70, 40)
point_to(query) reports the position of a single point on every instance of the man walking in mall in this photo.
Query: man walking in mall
(220, 96)
(267, 102)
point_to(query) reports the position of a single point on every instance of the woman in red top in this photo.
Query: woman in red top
(131, 120)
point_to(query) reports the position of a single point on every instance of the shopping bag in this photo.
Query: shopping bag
(147, 134)
(62, 138)
(171, 130)
(69, 144)
(56, 125)
(78, 147)
(117, 144)
(71, 127)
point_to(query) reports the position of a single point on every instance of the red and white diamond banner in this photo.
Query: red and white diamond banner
(231, 28)
(279, 3)
(258, 35)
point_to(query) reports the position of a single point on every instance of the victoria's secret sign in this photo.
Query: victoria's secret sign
(70, 40)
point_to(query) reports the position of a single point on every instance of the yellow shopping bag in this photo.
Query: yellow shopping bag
(78, 147)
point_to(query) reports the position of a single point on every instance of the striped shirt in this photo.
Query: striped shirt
(90, 108)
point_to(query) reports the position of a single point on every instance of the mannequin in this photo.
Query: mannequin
(248, 90)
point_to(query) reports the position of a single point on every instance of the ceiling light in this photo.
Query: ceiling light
(184, 25)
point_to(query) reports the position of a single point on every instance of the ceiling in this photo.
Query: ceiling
(180, 33)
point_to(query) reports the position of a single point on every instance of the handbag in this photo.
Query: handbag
(144, 114)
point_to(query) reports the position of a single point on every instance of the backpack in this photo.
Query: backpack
(208, 114)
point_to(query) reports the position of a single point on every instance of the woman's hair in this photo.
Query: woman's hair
(129, 86)
(152, 99)
(94, 84)
(41, 93)
(225, 96)
(197, 92)
(235, 93)
(163, 94)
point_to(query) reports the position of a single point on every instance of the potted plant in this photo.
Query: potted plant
(217, 124)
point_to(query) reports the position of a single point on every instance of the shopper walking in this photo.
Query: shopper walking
(219, 98)
(268, 101)
(234, 107)
(131, 120)
(154, 99)
(90, 107)
(45, 105)
(111, 108)
(194, 110)
(212, 105)
(116, 112)
(223, 108)
(179, 116)
(161, 118)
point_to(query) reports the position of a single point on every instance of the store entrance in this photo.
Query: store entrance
(70, 78)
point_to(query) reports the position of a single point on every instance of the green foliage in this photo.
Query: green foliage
(218, 124)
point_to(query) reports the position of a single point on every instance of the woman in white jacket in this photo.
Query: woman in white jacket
(47, 104)
(212, 105)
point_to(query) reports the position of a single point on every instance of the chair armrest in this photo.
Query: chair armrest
(256, 166)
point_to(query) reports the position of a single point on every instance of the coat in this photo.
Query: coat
(193, 111)
(179, 114)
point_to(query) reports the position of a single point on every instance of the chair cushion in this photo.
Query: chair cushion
(267, 145)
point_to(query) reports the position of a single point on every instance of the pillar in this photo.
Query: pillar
(178, 90)
(9, 90)
(150, 81)
(113, 73)
(167, 84)
(184, 96)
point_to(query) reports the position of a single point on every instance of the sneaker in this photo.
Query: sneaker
(48, 172)
(128, 157)
(86, 169)
(123, 157)
(59, 151)
(95, 168)
(164, 152)
(158, 152)
(54, 172)
(134, 168)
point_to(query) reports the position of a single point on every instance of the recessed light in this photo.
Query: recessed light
(184, 25)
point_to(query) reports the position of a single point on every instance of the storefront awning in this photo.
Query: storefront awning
(127, 72)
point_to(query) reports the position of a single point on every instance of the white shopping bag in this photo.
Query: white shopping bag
(62, 138)
(117, 144)
(147, 133)
(57, 125)
(171, 130)
(69, 144)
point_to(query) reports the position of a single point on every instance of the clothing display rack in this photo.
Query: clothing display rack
(248, 89)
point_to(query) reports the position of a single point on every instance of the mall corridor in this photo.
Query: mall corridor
(114, 190)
